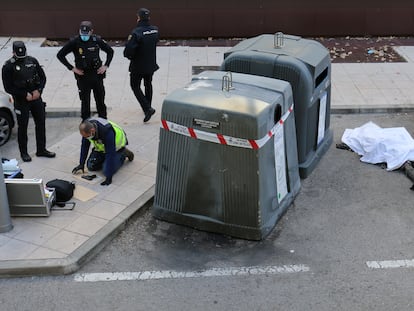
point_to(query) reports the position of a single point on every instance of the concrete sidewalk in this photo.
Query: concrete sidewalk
(60, 243)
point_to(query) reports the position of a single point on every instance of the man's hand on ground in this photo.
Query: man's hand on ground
(80, 167)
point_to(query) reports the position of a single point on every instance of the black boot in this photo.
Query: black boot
(45, 153)
(129, 154)
(149, 114)
(26, 157)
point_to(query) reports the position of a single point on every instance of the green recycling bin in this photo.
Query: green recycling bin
(227, 156)
(306, 65)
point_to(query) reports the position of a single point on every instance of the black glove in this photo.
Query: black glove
(107, 181)
(78, 168)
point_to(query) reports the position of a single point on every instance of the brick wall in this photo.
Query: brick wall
(213, 18)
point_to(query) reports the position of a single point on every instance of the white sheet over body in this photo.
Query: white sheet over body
(393, 146)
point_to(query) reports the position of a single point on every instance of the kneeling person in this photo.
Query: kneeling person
(109, 151)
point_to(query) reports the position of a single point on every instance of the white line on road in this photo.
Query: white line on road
(387, 264)
(171, 274)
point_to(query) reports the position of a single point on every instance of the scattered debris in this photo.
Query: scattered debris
(51, 43)
(342, 49)
(365, 49)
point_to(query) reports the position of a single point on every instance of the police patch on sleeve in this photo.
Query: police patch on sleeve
(129, 37)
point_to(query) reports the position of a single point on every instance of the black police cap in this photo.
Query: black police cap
(19, 49)
(143, 14)
(85, 27)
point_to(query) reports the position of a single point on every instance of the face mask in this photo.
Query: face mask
(85, 37)
(90, 137)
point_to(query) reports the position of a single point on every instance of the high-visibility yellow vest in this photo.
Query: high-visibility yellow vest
(120, 137)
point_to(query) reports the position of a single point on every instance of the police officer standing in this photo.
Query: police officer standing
(109, 147)
(141, 51)
(24, 79)
(89, 70)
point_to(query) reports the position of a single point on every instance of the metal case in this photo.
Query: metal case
(27, 197)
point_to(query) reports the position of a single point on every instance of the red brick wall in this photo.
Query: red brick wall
(213, 18)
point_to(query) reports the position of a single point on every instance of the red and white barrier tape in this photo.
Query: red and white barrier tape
(223, 139)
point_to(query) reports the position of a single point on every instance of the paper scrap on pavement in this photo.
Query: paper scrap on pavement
(393, 146)
(83, 194)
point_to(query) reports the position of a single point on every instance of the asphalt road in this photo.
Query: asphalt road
(318, 257)
(347, 211)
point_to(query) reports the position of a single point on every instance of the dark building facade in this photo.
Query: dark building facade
(214, 18)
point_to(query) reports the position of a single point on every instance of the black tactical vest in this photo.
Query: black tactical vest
(25, 73)
(87, 54)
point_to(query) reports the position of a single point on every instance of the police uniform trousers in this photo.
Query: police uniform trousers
(87, 83)
(144, 99)
(97, 161)
(23, 108)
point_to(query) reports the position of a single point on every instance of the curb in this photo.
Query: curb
(61, 113)
(362, 110)
(74, 261)
(67, 113)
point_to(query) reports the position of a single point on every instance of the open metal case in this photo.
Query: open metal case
(28, 197)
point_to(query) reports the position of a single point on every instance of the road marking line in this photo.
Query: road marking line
(171, 274)
(388, 264)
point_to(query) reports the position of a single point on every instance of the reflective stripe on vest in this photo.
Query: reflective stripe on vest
(120, 139)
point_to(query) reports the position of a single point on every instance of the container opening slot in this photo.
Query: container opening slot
(321, 77)
(278, 113)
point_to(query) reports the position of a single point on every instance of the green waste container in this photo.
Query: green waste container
(227, 156)
(306, 65)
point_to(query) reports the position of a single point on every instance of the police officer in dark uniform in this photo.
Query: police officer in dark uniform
(25, 80)
(89, 70)
(141, 51)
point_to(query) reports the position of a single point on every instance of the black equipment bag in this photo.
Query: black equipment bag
(63, 190)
